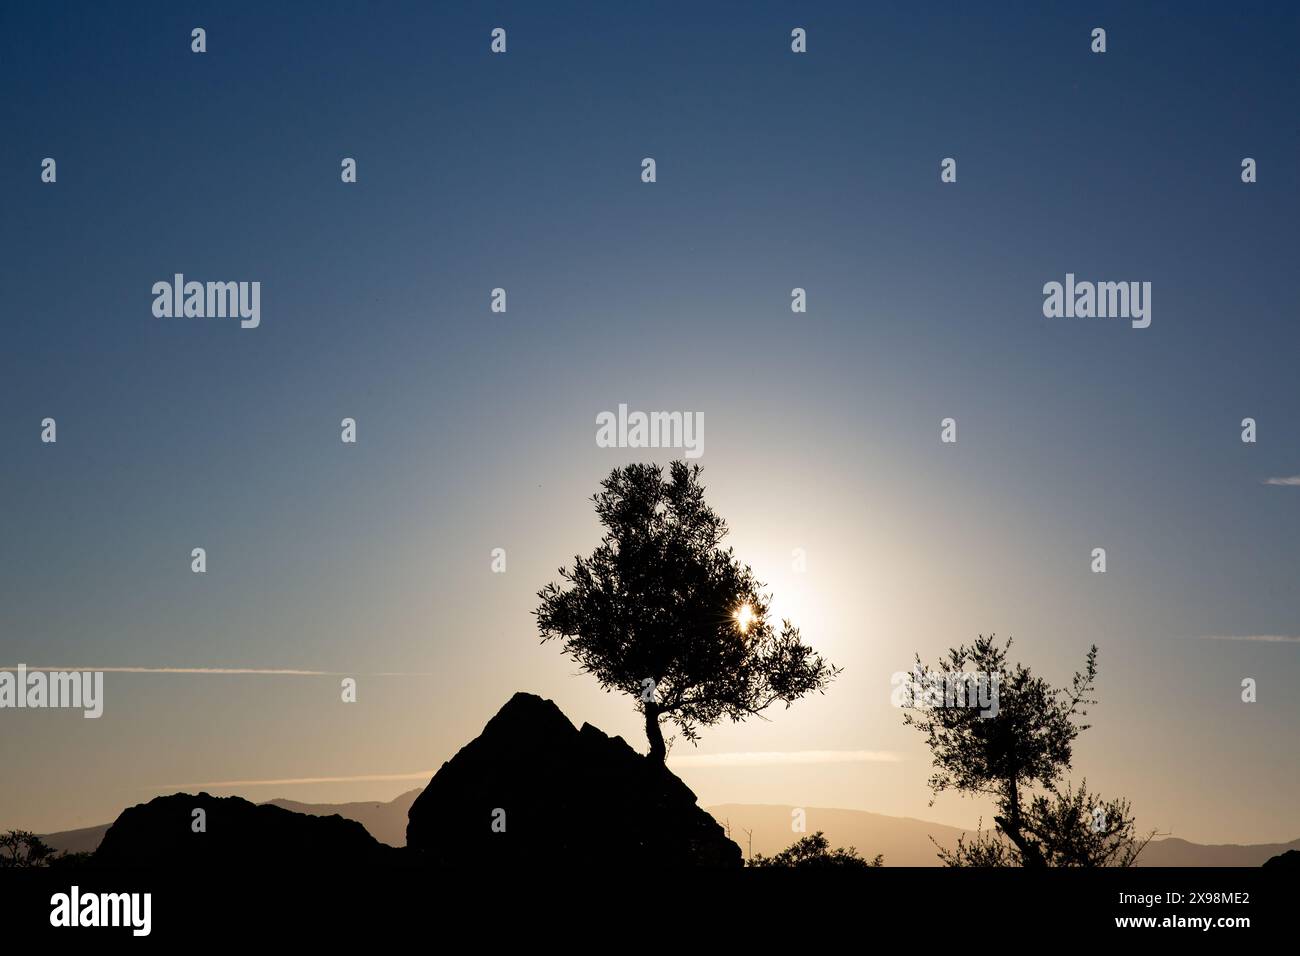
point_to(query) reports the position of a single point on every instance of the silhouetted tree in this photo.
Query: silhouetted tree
(660, 611)
(814, 852)
(1018, 756)
(21, 848)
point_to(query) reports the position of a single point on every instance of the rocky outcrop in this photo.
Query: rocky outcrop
(532, 791)
(237, 833)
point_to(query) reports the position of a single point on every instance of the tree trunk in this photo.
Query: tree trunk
(656, 737)
(1031, 854)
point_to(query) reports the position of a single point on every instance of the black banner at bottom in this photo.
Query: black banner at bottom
(272, 902)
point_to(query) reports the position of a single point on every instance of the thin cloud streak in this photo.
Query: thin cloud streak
(294, 781)
(773, 758)
(236, 671)
(1290, 481)
(1263, 638)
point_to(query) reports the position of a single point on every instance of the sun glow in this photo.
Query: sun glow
(744, 617)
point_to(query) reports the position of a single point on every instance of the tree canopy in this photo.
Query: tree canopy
(814, 852)
(661, 611)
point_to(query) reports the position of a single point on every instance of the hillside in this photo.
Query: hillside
(905, 841)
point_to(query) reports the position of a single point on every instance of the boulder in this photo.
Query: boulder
(238, 833)
(533, 791)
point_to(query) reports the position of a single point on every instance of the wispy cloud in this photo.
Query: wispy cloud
(1290, 481)
(1265, 638)
(770, 758)
(295, 781)
(271, 671)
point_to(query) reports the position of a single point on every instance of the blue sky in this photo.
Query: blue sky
(476, 430)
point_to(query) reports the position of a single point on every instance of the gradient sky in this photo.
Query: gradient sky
(476, 430)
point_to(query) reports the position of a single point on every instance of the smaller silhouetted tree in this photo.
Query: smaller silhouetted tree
(662, 612)
(1018, 757)
(814, 852)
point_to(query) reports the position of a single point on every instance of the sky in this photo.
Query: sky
(476, 430)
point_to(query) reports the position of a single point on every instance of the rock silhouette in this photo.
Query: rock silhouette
(1290, 860)
(239, 833)
(533, 791)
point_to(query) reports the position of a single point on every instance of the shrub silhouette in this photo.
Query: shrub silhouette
(21, 848)
(661, 612)
(814, 852)
(1018, 757)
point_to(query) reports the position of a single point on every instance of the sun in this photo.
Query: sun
(744, 617)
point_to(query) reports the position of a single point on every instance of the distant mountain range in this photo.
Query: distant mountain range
(904, 841)
(385, 821)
